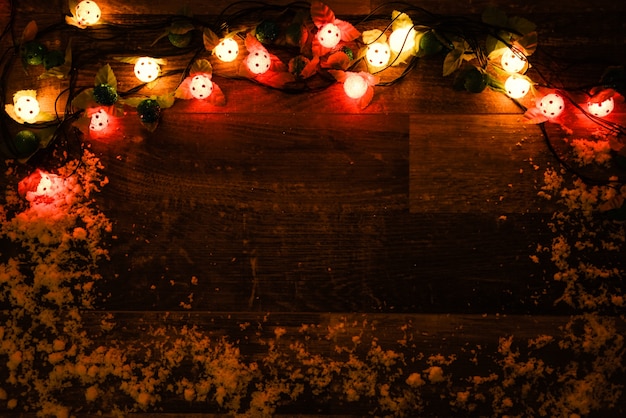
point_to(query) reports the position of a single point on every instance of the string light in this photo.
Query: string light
(147, 69)
(227, 50)
(258, 62)
(99, 121)
(355, 86)
(551, 105)
(26, 108)
(601, 109)
(87, 13)
(378, 54)
(201, 87)
(329, 35)
(516, 87)
(402, 40)
(513, 61)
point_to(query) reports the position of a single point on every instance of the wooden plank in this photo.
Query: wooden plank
(512, 7)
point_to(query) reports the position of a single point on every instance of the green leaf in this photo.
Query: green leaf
(10, 110)
(210, 39)
(45, 117)
(166, 101)
(528, 42)
(201, 66)
(133, 101)
(495, 17)
(493, 44)
(453, 61)
(127, 60)
(84, 100)
(73, 4)
(105, 76)
(181, 27)
(521, 25)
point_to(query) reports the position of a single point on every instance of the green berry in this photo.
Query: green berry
(429, 44)
(149, 111)
(267, 31)
(53, 59)
(472, 79)
(348, 52)
(33, 52)
(104, 94)
(26, 142)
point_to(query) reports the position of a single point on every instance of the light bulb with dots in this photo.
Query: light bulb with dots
(378, 54)
(355, 86)
(329, 35)
(513, 61)
(516, 87)
(551, 105)
(201, 87)
(87, 13)
(402, 40)
(26, 108)
(258, 62)
(147, 69)
(601, 109)
(227, 50)
(99, 121)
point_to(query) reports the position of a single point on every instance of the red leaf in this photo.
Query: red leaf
(217, 98)
(277, 65)
(338, 60)
(535, 116)
(30, 32)
(348, 32)
(321, 14)
(317, 49)
(339, 75)
(367, 97)
(275, 79)
(602, 95)
(253, 44)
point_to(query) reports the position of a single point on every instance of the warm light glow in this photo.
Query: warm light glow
(378, 54)
(601, 109)
(87, 13)
(147, 69)
(551, 105)
(355, 86)
(258, 62)
(329, 35)
(513, 61)
(201, 87)
(26, 108)
(99, 121)
(402, 40)
(227, 50)
(516, 87)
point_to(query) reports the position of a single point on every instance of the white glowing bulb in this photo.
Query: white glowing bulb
(147, 69)
(87, 13)
(402, 40)
(513, 61)
(258, 62)
(99, 121)
(601, 109)
(516, 87)
(26, 108)
(227, 50)
(551, 105)
(45, 184)
(378, 54)
(201, 87)
(329, 35)
(355, 86)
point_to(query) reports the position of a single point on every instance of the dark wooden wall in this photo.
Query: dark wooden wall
(294, 209)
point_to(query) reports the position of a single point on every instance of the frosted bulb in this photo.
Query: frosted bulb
(402, 40)
(513, 61)
(552, 105)
(99, 121)
(258, 62)
(45, 184)
(201, 87)
(329, 35)
(378, 54)
(516, 87)
(87, 13)
(601, 109)
(355, 86)
(227, 50)
(27, 108)
(147, 69)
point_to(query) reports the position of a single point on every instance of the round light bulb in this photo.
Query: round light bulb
(513, 61)
(87, 13)
(227, 50)
(26, 108)
(201, 87)
(551, 105)
(147, 69)
(355, 86)
(99, 121)
(402, 40)
(258, 62)
(601, 109)
(378, 54)
(329, 35)
(516, 87)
